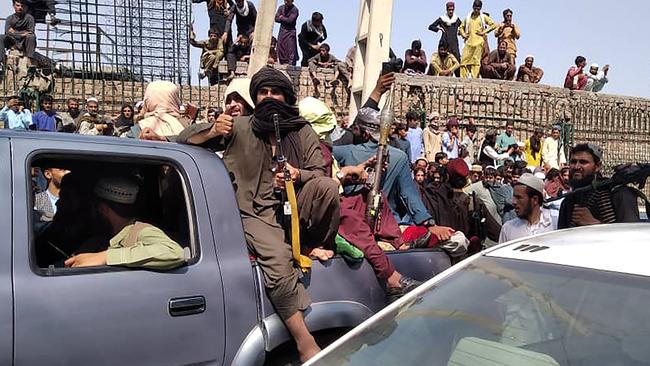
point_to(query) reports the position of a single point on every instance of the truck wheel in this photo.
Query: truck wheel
(287, 355)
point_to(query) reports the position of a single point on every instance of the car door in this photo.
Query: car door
(114, 315)
(6, 296)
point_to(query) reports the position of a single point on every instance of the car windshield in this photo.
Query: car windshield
(509, 312)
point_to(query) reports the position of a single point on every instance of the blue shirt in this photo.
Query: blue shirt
(398, 178)
(414, 136)
(448, 148)
(16, 121)
(45, 121)
(503, 141)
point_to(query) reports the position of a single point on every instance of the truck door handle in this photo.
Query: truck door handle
(183, 306)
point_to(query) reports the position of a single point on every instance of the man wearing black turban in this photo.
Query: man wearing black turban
(249, 144)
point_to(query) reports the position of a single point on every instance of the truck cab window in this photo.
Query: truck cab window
(90, 213)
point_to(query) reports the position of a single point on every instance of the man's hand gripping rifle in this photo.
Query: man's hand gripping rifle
(289, 202)
(374, 201)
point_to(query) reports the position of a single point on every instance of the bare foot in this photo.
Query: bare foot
(404, 247)
(321, 254)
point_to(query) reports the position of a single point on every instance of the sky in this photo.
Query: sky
(554, 31)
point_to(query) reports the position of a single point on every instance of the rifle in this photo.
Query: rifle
(478, 219)
(624, 174)
(289, 202)
(373, 200)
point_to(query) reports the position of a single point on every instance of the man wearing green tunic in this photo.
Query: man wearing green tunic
(134, 244)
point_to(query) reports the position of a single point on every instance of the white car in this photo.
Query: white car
(571, 297)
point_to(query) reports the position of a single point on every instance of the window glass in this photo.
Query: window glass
(137, 214)
(508, 312)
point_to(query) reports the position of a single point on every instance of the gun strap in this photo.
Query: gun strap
(304, 262)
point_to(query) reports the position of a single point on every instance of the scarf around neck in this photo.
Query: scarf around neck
(318, 30)
(290, 123)
(469, 18)
(243, 11)
(445, 19)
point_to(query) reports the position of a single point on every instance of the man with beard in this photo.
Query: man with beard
(68, 118)
(212, 51)
(531, 219)
(287, 50)
(528, 73)
(133, 243)
(312, 34)
(499, 65)
(93, 123)
(473, 30)
(432, 137)
(443, 63)
(596, 80)
(594, 207)
(448, 24)
(482, 191)
(45, 202)
(249, 144)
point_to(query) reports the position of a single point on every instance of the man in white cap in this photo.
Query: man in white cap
(596, 80)
(93, 123)
(134, 243)
(531, 219)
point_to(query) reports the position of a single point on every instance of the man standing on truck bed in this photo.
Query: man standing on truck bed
(249, 157)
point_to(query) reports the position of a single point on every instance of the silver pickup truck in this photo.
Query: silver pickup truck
(211, 311)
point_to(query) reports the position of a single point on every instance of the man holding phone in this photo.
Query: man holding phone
(15, 116)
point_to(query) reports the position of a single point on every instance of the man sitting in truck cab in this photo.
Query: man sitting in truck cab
(134, 243)
(249, 143)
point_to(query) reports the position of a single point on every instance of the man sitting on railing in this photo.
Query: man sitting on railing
(19, 31)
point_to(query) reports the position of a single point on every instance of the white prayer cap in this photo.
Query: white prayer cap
(521, 144)
(117, 189)
(532, 181)
(92, 99)
(594, 66)
(530, 56)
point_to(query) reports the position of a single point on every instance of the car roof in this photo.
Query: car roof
(623, 248)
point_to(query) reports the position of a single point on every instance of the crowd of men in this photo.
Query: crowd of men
(476, 60)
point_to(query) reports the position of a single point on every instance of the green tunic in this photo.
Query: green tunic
(152, 249)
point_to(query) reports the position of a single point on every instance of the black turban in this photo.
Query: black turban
(268, 76)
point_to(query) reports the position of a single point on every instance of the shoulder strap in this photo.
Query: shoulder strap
(132, 237)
